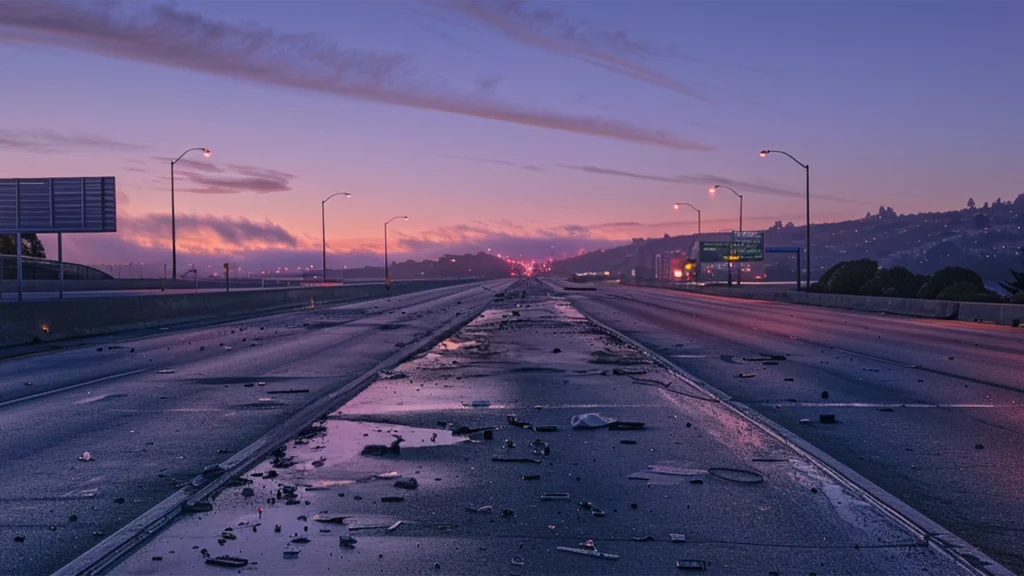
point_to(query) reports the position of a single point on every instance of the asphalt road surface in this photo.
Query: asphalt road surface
(154, 411)
(490, 477)
(930, 410)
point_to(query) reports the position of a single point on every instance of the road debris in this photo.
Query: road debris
(228, 561)
(387, 499)
(407, 484)
(745, 375)
(381, 450)
(515, 459)
(551, 496)
(824, 394)
(674, 537)
(737, 475)
(589, 420)
(695, 565)
(347, 541)
(827, 418)
(86, 457)
(330, 518)
(622, 425)
(290, 391)
(291, 552)
(588, 549)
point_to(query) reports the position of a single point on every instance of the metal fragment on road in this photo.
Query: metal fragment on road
(515, 459)
(228, 561)
(692, 564)
(551, 496)
(395, 526)
(677, 537)
(588, 552)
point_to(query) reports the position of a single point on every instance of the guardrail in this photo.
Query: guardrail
(51, 320)
(1005, 314)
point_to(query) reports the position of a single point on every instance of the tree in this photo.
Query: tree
(970, 204)
(1019, 202)
(980, 221)
(985, 206)
(1017, 285)
(778, 223)
(789, 225)
(31, 245)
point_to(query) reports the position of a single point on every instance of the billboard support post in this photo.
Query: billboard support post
(60, 262)
(17, 250)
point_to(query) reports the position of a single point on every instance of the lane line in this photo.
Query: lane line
(72, 387)
(880, 405)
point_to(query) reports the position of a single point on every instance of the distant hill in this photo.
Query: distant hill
(985, 239)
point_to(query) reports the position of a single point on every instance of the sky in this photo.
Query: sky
(533, 128)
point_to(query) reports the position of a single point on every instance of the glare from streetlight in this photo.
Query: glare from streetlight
(206, 152)
(676, 206)
(764, 153)
(712, 190)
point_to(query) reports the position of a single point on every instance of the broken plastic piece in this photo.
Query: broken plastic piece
(677, 537)
(692, 564)
(395, 526)
(300, 540)
(546, 428)
(346, 541)
(589, 421)
(745, 375)
(291, 552)
(516, 561)
(86, 457)
(647, 538)
(549, 496)
(514, 459)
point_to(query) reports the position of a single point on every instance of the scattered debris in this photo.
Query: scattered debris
(86, 457)
(381, 450)
(347, 541)
(787, 379)
(516, 561)
(677, 537)
(805, 420)
(745, 375)
(300, 540)
(228, 561)
(19, 539)
(550, 496)
(395, 526)
(737, 475)
(647, 538)
(589, 421)
(692, 564)
(629, 371)
(392, 499)
(407, 484)
(515, 459)
(546, 428)
(477, 404)
(330, 518)
(588, 549)
(824, 394)
(291, 552)
(531, 477)
(675, 470)
(979, 446)
(559, 351)
(827, 418)
(248, 492)
(622, 425)
(630, 442)
(290, 391)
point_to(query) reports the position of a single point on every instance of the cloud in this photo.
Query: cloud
(552, 31)
(707, 180)
(529, 167)
(205, 234)
(48, 141)
(250, 179)
(165, 35)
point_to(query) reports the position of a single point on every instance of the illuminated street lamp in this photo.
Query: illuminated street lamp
(807, 170)
(174, 240)
(387, 276)
(739, 270)
(323, 227)
(676, 206)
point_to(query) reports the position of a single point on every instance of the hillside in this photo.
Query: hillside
(985, 239)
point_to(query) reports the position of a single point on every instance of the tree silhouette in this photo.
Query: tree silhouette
(970, 204)
(1017, 285)
(31, 245)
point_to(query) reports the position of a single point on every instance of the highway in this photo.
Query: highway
(153, 411)
(932, 411)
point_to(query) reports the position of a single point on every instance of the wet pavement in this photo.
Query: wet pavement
(464, 460)
(932, 411)
(155, 411)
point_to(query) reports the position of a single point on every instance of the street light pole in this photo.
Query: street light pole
(739, 270)
(323, 228)
(387, 276)
(807, 249)
(699, 263)
(174, 236)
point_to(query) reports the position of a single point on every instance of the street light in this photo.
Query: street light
(387, 277)
(676, 206)
(174, 240)
(807, 170)
(739, 271)
(323, 227)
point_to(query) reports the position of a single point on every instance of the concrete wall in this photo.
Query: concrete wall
(44, 321)
(1007, 314)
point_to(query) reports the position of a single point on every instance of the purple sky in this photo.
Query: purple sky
(532, 128)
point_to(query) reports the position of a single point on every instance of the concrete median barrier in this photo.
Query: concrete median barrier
(51, 320)
(1006, 314)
